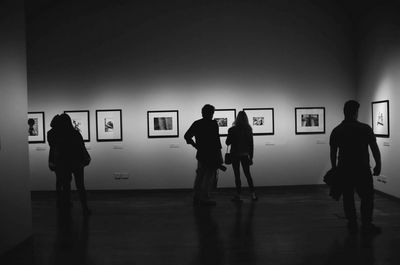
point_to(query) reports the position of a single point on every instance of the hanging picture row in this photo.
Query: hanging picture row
(165, 123)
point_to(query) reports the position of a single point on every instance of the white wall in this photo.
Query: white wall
(279, 54)
(15, 210)
(380, 80)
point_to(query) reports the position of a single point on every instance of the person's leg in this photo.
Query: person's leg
(59, 191)
(246, 169)
(64, 178)
(236, 172)
(198, 182)
(80, 186)
(349, 206)
(365, 190)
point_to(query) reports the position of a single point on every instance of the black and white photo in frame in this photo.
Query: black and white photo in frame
(162, 124)
(380, 118)
(35, 128)
(81, 122)
(109, 125)
(310, 120)
(261, 120)
(225, 119)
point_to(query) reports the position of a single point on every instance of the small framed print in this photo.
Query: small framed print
(310, 120)
(162, 124)
(81, 123)
(380, 118)
(35, 128)
(109, 125)
(225, 119)
(261, 120)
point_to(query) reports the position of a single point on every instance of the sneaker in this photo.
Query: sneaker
(371, 229)
(237, 199)
(254, 197)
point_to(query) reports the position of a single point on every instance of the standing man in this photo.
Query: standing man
(209, 158)
(353, 138)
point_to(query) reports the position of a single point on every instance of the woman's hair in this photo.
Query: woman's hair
(242, 121)
(64, 123)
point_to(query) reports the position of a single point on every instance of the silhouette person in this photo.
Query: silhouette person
(209, 158)
(351, 139)
(240, 137)
(69, 157)
(51, 138)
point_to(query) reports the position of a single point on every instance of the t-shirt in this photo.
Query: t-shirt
(206, 134)
(352, 138)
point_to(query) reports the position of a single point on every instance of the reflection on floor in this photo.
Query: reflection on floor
(288, 225)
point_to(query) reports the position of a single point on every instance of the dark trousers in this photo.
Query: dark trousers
(245, 161)
(203, 183)
(360, 182)
(63, 186)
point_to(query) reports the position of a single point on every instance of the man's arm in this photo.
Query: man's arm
(334, 156)
(377, 157)
(189, 136)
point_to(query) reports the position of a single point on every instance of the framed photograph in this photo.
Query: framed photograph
(109, 125)
(380, 118)
(81, 123)
(36, 132)
(261, 120)
(310, 120)
(162, 124)
(225, 119)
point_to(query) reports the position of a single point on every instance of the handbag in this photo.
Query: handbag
(228, 157)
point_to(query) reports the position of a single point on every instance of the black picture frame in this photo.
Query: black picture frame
(380, 118)
(85, 131)
(310, 120)
(268, 125)
(103, 132)
(39, 129)
(170, 124)
(225, 119)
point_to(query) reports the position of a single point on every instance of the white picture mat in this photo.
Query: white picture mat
(267, 114)
(230, 115)
(307, 129)
(83, 118)
(116, 132)
(39, 117)
(378, 109)
(153, 115)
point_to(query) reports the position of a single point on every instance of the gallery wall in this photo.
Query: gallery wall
(379, 80)
(139, 57)
(16, 223)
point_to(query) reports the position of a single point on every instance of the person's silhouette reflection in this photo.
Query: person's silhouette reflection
(71, 241)
(242, 237)
(210, 244)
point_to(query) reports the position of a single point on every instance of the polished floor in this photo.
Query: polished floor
(288, 225)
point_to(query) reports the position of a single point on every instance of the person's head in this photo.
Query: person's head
(351, 110)
(242, 120)
(54, 122)
(64, 122)
(208, 111)
(31, 122)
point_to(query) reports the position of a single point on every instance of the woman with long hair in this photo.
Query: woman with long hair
(240, 137)
(70, 158)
